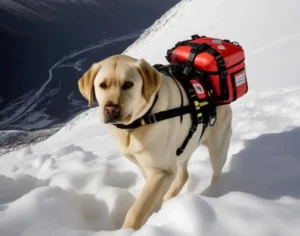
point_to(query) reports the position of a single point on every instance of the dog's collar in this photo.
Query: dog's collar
(150, 118)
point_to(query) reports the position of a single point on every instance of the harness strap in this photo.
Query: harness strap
(195, 50)
(187, 139)
(157, 117)
(163, 115)
(222, 70)
(188, 69)
(211, 98)
(181, 96)
(170, 71)
(197, 114)
(196, 119)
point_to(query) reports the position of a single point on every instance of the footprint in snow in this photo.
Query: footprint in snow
(40, 160)
(120, 180)
(67, 150)
(49, 164)
(72, 152)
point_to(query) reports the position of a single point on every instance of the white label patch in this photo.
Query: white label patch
(217, 41)
(240, 79)
(198, 88)
(221, 47)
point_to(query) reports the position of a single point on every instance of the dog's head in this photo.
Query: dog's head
(124, 87)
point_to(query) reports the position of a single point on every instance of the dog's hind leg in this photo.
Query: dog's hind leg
(218, 141)
(182, 176)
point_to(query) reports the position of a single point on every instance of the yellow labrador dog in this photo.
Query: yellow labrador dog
(125, 89)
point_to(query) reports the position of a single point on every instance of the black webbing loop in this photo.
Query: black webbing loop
(195, 50)
(189, 63)
(222, 72)
(195, 36)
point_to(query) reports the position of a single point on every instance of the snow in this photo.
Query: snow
(76, 182)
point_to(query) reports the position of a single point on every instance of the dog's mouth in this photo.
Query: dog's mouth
(112, 120)
(112, 114)
(121, 119)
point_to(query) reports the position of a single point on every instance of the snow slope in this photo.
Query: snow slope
(76, 183)
(266, 29)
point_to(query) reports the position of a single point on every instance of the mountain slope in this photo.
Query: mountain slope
(47, 45)
(76, 183)
(269, 37)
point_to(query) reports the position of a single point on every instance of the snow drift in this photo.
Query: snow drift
(77, 183)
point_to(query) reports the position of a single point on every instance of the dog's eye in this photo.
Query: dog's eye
(103, 85)
(127, 85)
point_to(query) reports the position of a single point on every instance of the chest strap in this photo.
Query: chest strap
(157, 117)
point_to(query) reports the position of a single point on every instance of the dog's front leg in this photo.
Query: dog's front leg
(157, 183)
(182, 176)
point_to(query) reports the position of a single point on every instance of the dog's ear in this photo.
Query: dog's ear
(151, 79)
(86, 83)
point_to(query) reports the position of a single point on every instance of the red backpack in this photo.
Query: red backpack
(219, 60)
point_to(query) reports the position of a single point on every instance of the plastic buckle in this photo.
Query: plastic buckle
(151, 118)
(200, 120)
(193, 129)
(173, 68)
(187, 70)
(224, 74)
(194, 51)
(218, 57)
(199, 73)
(221, 63)
(220, 60)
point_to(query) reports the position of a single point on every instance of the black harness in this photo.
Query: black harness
(202, 111)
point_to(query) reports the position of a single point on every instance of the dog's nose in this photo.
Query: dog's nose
(112, 110)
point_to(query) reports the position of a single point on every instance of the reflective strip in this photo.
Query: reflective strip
(203, 104)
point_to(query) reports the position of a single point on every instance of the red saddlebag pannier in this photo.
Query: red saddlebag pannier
(221, 61)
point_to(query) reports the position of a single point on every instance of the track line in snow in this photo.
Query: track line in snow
(285, 40)
(32, 101)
